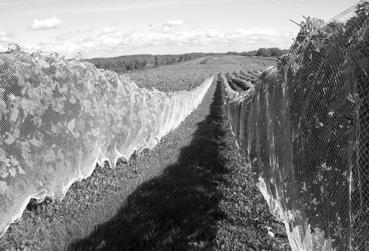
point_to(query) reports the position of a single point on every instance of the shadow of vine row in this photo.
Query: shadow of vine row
(179, 209)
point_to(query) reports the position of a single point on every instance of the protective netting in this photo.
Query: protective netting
(60, 117)
(304, 127)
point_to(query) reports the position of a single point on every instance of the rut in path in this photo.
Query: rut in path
(178, 209)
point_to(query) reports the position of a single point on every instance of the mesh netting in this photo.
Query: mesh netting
(60, 117)
(305, 128)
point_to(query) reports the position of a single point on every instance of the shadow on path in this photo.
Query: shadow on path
(177, 210)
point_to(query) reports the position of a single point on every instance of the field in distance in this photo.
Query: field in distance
(187, 75)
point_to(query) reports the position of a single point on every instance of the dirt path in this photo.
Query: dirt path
(193, 191)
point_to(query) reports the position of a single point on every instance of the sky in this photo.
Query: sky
(96, 28)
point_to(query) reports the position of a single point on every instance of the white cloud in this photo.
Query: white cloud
(171, 24)
(85, 29)
(175, 22)
(108, 29)
(48, 23)
(72, 34)
(5, 39)
(111, 42)
(5, 36)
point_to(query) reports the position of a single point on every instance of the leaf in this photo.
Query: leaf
(10, 139)
(20, 170)
(364, 63)
(35, 142)
(50, 156)
(3, 186)
(14, 161)
(53, 128)
(63, 89)
(16, 133)
(72, 100)
(351, 98)
(87, 106)
(12, 172)
(4, 174)
(14, 115)
(2, 154)
(2, 106)
(71, 125)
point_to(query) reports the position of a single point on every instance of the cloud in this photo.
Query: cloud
(85, 29)
(112, 42)
(175, 22)
(5, 39)
(5, 36)
(48, 23)
(72, 34)
(170, 24)
(124, 7)
(108, 29)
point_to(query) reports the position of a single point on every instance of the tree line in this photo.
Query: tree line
(137, 62)
(262, 52)
(128, 63)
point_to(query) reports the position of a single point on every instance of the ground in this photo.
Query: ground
(193, 191)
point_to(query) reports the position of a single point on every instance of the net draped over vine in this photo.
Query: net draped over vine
(59, 118)
(304, 126)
